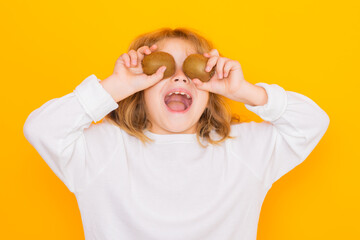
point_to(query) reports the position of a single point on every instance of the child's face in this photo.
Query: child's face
(164, 121)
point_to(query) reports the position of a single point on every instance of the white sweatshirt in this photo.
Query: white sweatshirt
(171, 189)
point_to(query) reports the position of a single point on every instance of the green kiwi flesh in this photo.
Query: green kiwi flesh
(194, 67)
(154, 60)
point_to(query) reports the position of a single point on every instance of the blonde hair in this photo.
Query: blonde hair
(131, 115)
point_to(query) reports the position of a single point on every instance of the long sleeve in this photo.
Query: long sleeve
(60, 131)
(293, 125)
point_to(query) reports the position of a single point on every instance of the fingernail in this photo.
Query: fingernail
(207, 68)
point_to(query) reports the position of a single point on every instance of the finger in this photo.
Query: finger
(214, 52)
(133, 57)
(153, 47)
(126, 59)
(142, 51)
(211, 63)
(157, 76)
(145, 50)
(220, 66)
(228, 66)
(205, 86)
(123, 59)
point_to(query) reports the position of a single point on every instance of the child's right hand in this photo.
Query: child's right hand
(128, 76)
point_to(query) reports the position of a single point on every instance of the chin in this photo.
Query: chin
(178, 128)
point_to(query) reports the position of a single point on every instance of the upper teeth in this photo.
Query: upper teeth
(182, 93)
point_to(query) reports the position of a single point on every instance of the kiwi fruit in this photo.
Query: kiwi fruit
(154, 60)
(194, 67)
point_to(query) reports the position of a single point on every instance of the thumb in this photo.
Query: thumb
(158, 75)
(202, 85)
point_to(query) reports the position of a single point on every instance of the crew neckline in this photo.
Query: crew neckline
(176, 137)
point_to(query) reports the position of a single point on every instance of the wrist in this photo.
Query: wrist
(114, 87)
(252, 95)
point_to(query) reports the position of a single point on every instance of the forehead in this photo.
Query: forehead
(176, 46)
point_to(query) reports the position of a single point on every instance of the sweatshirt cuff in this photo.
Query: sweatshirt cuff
(96, 101)
(276, 105)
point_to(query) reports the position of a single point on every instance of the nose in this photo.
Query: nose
(180, 76)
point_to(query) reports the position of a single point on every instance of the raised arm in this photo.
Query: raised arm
(56, 131)
(293, 126)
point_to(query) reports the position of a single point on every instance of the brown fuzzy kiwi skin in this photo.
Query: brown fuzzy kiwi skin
(194, 67)
(154, 60)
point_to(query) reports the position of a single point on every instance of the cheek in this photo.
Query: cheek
(151, 102)
(147, 101)
(148, 95)
(205, 99)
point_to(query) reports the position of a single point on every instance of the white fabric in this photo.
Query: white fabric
(171, 189)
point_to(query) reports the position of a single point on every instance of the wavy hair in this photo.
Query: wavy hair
(131, 115)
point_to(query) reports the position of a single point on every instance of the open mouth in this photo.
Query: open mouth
(178, 102)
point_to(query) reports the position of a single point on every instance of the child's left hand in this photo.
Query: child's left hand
(228, 78)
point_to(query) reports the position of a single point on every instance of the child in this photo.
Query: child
(202, 176)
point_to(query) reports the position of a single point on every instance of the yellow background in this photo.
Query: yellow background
(310, 47)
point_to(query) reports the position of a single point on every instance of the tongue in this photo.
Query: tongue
(177, 102)
(176, 106)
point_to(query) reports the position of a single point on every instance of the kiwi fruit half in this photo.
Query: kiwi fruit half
(194, 67)
(154, 60)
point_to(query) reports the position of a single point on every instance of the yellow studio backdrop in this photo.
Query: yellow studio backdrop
(310, 47)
